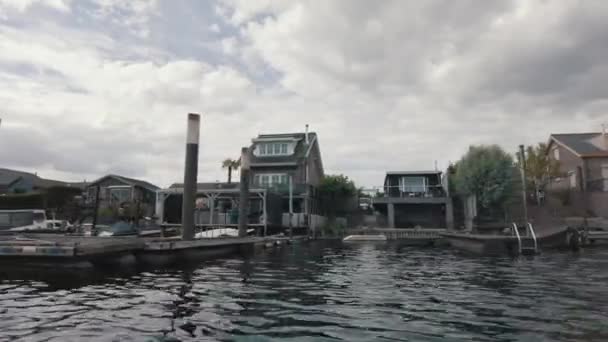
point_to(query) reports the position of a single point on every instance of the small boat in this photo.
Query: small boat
(220, 232)
(357, 238)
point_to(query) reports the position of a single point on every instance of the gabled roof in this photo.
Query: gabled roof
(582, 144)
(301, 151)
(8, 177)
(129, 181)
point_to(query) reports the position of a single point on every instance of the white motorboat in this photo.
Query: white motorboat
(362, 238)
(220, 232)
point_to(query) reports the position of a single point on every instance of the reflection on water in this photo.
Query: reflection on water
(320, 292)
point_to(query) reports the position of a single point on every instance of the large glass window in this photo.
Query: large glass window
(120, 195)
(412, 184)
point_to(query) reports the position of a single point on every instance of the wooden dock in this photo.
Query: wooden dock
(424, 236)
(81, 251)
(62, 246)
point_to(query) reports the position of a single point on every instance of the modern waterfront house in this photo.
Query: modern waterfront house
(583, 161)
(414, 199)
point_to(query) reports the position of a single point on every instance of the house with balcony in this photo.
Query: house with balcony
(278, 159)
(583, 166)
(414, 199)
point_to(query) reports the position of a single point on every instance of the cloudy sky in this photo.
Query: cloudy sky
(103, 86)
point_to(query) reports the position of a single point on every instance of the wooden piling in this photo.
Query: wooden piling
(190, 174)
(244, 193)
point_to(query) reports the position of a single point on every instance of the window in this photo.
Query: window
(120, 195)
(556, 153)
(273, 149)
(5, 220)
(572, 176)
(270, 179)
(412, 184)
(605, 176)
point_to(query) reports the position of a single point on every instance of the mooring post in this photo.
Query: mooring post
(522, 165)
(291, 207)
(95, 208)
(244, 193)
(190, 173)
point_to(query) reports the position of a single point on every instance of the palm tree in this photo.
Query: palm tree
(231, 164)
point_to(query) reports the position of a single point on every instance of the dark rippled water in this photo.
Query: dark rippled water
(320, 292)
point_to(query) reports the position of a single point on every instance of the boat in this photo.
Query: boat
(362, 238)
(514, 243)
(220, 232)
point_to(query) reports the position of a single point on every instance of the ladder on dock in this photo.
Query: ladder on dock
(527, 244)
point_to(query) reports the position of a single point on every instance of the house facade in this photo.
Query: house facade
(583, 161)
(277, 159)
(115, 191)
(414, 199)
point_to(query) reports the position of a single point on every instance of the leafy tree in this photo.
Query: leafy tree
(335, 192)
(231, 164)
(540, 169)
(487, 173)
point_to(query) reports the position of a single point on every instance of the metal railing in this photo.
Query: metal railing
(429, 191)
(531, 231)
(516, 232)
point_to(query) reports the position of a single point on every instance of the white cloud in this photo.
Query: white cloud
(391, 86)
(23, 5)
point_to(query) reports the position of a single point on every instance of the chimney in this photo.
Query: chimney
(306, 135)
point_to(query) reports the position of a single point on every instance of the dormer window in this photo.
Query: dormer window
(272, 149)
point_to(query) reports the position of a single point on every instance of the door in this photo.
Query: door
(605, 176)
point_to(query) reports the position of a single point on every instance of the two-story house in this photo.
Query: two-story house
(276, 159)
(414, 198)
(583, 160)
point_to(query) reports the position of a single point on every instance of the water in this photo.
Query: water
(321, 292)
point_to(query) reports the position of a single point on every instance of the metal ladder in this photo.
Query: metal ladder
(533, 234)
(529, 233)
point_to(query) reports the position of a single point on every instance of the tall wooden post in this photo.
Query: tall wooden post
(522, 164)
(190, 173)
(244, 193)
(96, 207)
(291, 206)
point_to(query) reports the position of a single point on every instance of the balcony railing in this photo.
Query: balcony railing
(282, 188)
(429, 191)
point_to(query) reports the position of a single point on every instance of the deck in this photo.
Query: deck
(62, 246)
